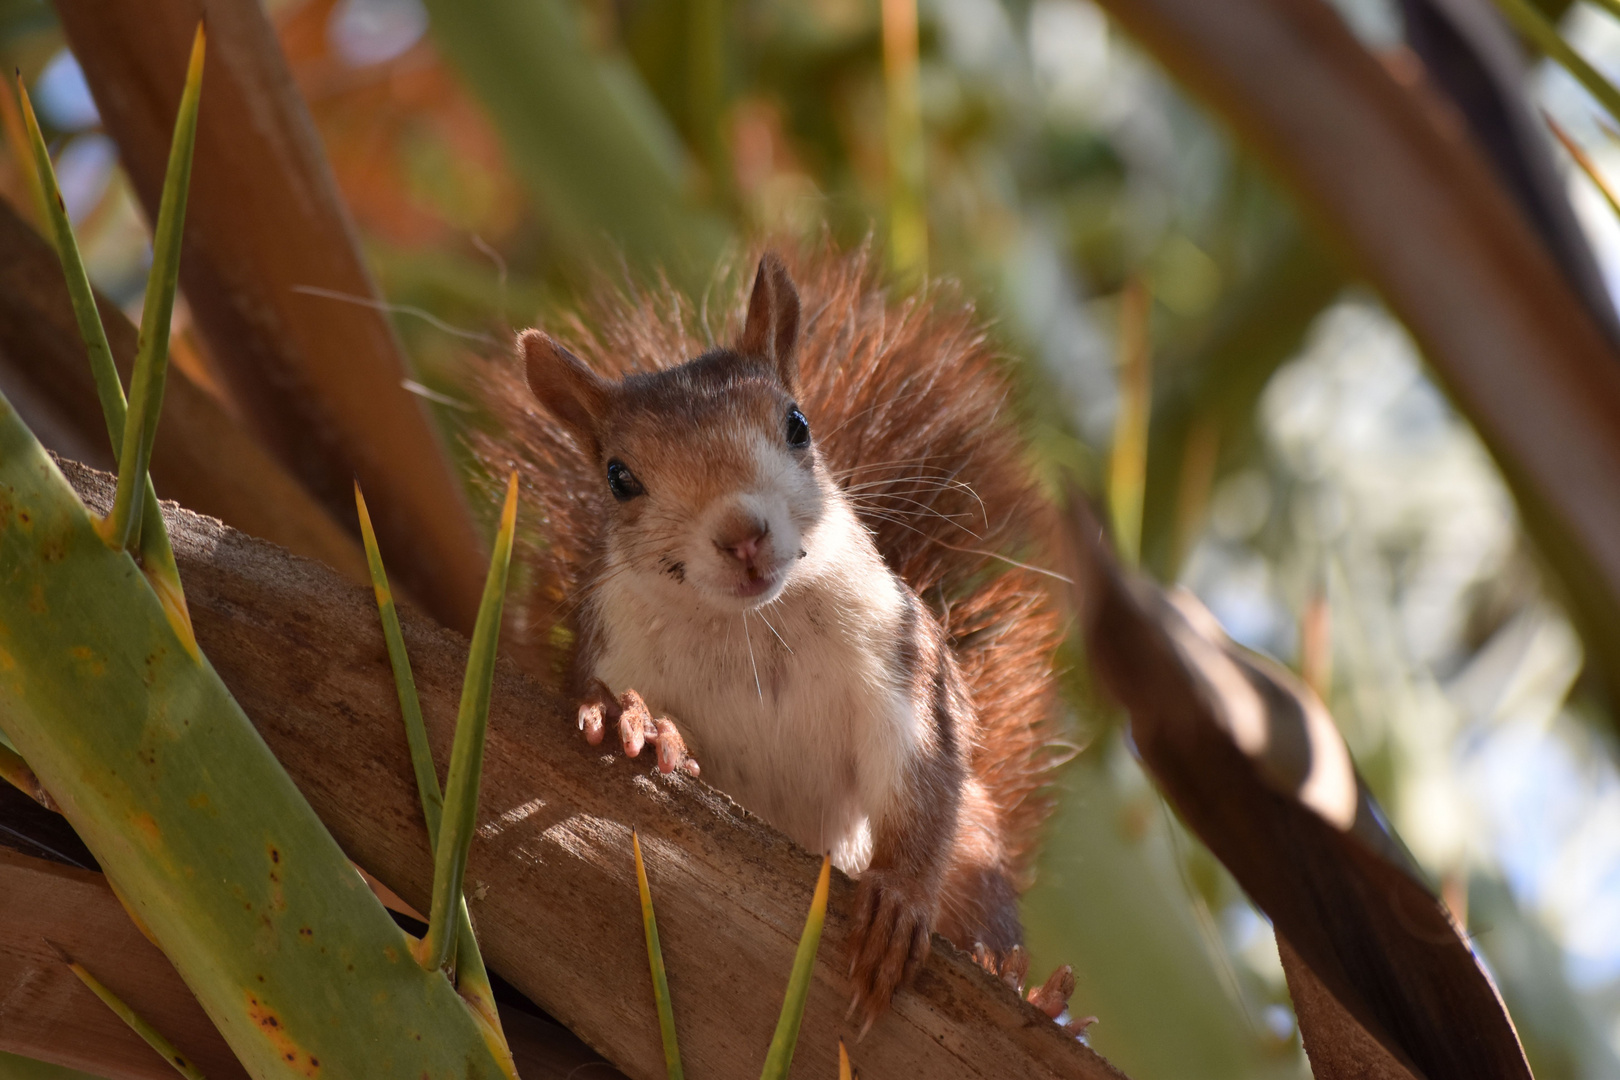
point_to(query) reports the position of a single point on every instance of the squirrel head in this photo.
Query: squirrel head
(711, 483)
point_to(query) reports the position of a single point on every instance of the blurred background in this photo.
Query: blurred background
(1302, 473)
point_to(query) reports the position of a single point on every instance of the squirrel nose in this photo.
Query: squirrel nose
(742, 542)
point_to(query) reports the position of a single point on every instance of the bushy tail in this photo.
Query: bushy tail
(911, 412)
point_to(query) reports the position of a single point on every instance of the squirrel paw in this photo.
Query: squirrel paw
(1051, 997)
(894, 919)
(637, 726)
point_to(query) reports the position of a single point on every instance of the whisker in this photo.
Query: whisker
(919, 482)
(397, 309)
(750, 639)
(903, 524)
(761, 613)
(867, 500)
(899, 515)
(867, 466)
(1009, 561)
(896, 399)
(981, 552)
(926, 483)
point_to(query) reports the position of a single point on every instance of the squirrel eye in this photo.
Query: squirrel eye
(798, 429)
(622, 482)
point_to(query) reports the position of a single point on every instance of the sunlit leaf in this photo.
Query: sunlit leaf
(129, 1016)
(174, 791)
(472, 977)
(427, 781)
(655, 961)
(157, 558)
(15, 771)
(152, 354)
(780, 1056)
(17, 143)
(1585, 162)
(908, 217)
(1127, 465)
(467, 756)
(1545, 36)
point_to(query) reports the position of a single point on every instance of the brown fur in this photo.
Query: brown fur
(910, 411)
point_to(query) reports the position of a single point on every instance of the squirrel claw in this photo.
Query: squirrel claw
(637, 728)
(1052, 996)
(671, 748)
(1014, 968)
(891, 939)
(635, 723)
(591, 715)
(1077, 1028)
(597, 711)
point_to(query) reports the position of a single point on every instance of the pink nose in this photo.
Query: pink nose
(743, 541)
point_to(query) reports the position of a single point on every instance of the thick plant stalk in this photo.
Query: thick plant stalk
(1382, 977)
(158, 770)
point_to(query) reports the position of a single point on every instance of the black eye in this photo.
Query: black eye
(622, 482)
(798, 428)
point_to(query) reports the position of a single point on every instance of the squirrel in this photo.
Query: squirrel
(799, 564)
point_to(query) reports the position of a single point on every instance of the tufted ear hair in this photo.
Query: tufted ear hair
(772, 329)
(574, 394)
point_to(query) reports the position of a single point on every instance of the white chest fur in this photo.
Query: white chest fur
(795, 709)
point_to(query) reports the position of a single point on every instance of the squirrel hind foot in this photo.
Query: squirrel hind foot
(1051, 996)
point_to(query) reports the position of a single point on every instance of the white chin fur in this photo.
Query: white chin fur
(727, 598)
(719, 582)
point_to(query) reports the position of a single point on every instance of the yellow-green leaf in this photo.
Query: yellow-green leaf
(655, 961)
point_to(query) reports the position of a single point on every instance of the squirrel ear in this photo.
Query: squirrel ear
(574, 393)
(772, 329)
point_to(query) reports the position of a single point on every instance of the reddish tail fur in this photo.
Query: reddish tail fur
(911, 412)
